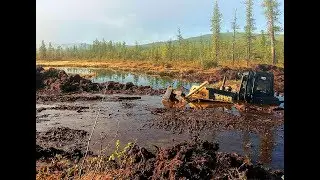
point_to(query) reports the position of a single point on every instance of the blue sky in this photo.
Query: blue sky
(145, 21)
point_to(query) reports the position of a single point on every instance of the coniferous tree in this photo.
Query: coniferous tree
(50, 51)
(215, 28)
(43, 50)
(234, 27)
(181, 47)
(249, 28)
(272, 14)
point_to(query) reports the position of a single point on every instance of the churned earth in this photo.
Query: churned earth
(72, 110)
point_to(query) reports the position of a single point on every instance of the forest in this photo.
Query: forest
(210, 50)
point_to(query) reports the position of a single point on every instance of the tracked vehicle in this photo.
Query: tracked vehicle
(255, 88)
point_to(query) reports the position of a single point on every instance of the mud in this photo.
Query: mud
(64, 107)
(53, 85)
(199, 160)
(146, 121)
(44, 97)
(38, 120)
(189, 160)
(62, 138)
(194, 120)
(51, 152)
(112, 87)
(58, 81)
(142, 119)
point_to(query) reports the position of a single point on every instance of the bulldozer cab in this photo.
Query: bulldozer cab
(257, 88)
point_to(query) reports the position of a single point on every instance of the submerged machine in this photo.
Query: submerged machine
(255, 88)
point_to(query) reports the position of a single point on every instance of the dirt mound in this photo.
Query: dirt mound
(59, 81)
(39, 77)
(186, 160)
(112, 87)
(140, 165)
(232, 165)
(231, 74)
(269, 68)
(46, 153)
(191, 160)
(52, 82)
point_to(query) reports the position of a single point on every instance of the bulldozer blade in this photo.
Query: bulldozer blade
(173, 98)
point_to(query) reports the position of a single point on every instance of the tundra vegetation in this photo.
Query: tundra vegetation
(205, 51)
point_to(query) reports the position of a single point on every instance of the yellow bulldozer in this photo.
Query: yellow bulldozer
(255, 88)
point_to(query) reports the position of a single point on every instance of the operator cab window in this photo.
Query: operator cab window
(263, 85)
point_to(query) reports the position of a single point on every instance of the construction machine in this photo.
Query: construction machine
(255, 88)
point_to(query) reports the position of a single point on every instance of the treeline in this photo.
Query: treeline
(222, 47)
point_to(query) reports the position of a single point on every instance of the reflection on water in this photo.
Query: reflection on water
(266, 148)
(103, 75)
(246, 144)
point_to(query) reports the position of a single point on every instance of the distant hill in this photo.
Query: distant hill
(206, 37)
(224, 36)
(70, 45)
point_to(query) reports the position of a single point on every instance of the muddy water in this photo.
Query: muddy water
(156, 82)
(103, 75)
(125, 120)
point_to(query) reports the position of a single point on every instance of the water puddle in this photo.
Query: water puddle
(266, 148)
(103, 75)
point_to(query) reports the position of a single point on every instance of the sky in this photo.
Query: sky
(144, 21)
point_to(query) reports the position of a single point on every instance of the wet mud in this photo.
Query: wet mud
(44, 97)
(40, 119)
(45, 153)
(189, 160)
(57, 85)
(148, 122)
(194, 121)
(62, 138)
(128, 117)
(63, 107)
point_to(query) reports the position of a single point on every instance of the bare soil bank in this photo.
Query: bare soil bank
(56, 85)
(183, 71)
(190, 160)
